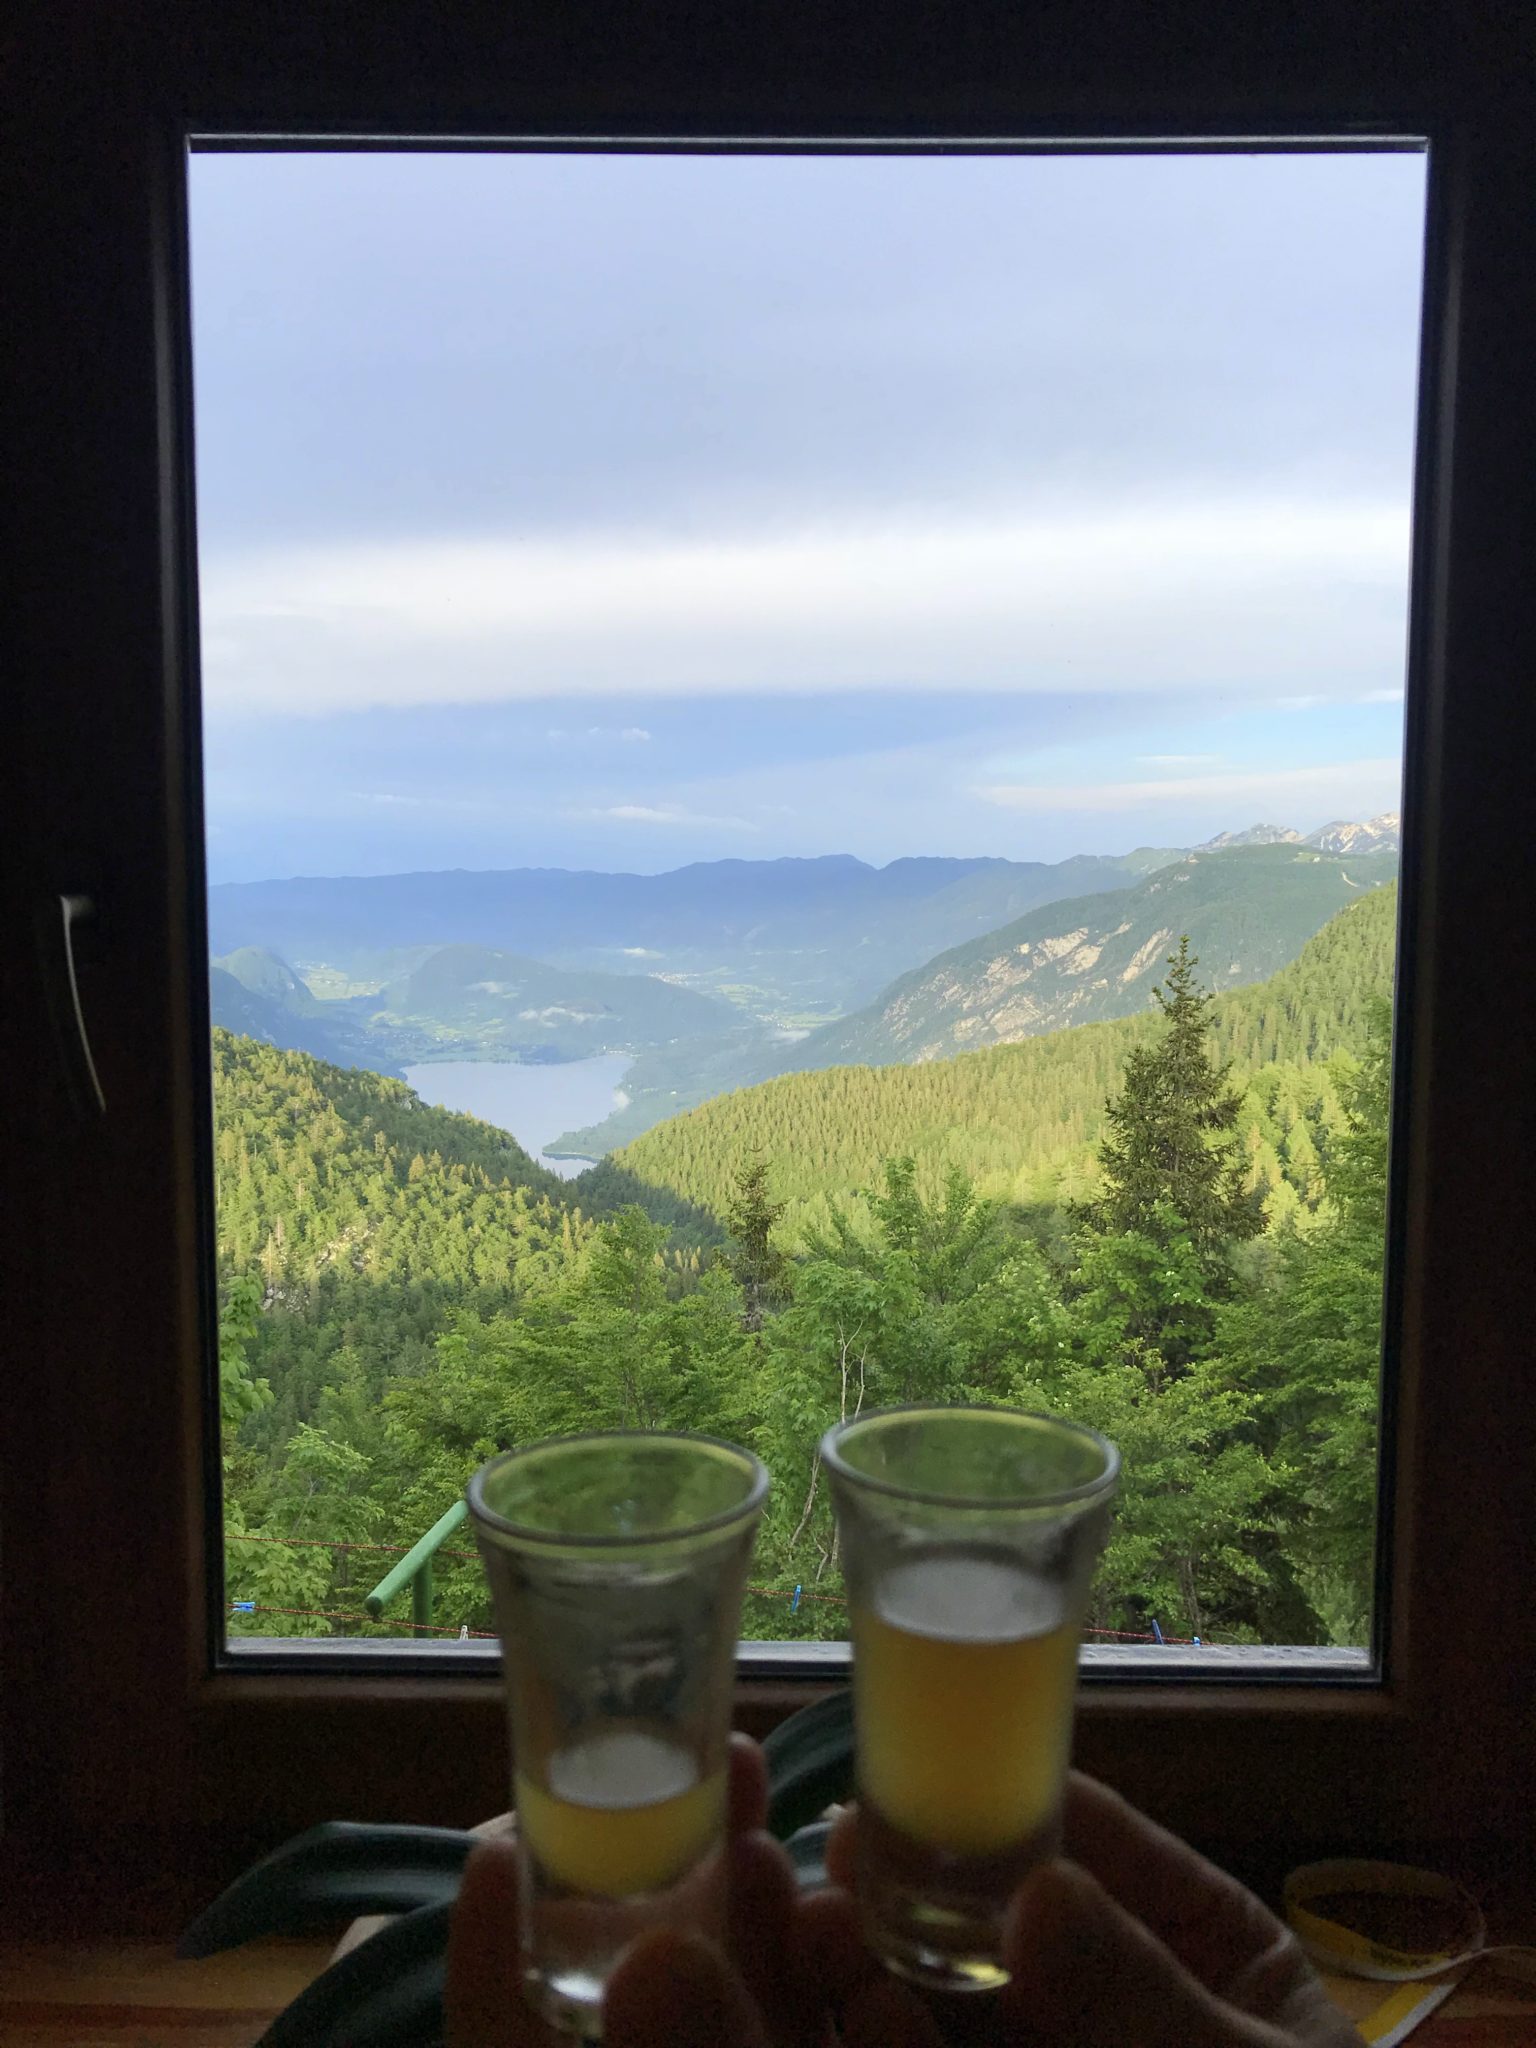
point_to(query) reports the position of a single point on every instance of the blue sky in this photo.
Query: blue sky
(618, 512)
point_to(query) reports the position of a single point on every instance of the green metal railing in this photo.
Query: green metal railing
(415, 1570)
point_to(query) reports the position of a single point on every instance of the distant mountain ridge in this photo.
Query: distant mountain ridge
(506, 1006)
(1255, 835)
(1381, 834)
(717, 974)
(1248, 911)
(801, 939)
(464, 1002)
(791, 942)
(258, 1009)
(1023, 1117)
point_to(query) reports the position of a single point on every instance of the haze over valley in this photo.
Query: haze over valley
(723, 974)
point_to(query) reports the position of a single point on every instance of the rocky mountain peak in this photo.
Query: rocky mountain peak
(1256, 835)
(1381, 834)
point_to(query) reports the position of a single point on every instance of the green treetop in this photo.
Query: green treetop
(755, 1263)
(1170, 1158)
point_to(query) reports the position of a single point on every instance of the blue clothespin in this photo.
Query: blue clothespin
(1156, 1630)
(794, 1605)
(243, 1606)
(1197, 1642)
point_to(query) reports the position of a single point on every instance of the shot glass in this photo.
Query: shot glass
(968, 1538)
(616, 1564)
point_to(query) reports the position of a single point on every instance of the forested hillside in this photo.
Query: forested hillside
(1246, 912)
(403, 1292)
(1022, 1120)
(362, 1217)
(260, 1013)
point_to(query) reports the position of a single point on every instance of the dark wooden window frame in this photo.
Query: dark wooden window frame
(135, 1773)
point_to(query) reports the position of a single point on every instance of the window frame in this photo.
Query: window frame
(787, 1661)
(134, 1765)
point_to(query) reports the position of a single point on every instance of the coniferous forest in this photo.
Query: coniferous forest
(1169, 1226)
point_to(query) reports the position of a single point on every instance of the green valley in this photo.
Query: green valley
(1247, 912)
(461, 1002)
(403, 1291)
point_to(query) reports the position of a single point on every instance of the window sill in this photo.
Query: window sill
(1239, 1663)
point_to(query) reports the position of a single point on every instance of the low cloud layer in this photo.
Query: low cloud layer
(1154, 596)
(1366, 786)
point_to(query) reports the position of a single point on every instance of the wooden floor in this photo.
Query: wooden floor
(135, 1994)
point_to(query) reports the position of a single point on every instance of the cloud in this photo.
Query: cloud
(386, 796)
(1342, 779)
(668, 814)
(1382, 697)
(1178, 760)
(630, 734)
(1209, 595)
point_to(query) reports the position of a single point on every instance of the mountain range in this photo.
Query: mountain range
(1247, 910)
(1381, 834)
(1022, 1118)
(460, 1002)
(722, 974)
(791, 941)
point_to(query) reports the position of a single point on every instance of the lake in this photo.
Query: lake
(535, 1103)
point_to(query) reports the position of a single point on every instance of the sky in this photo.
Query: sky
(622, 511)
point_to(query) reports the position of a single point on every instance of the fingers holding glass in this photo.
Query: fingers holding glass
(616, 1564)
(968, 1540)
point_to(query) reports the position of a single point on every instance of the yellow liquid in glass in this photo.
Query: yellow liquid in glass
(964, 1677)
(621, 1813)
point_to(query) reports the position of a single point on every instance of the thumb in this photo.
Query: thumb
(1084, 1969)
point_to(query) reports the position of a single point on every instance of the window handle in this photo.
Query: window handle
(84, 1080)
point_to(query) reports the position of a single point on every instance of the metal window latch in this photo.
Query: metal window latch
(85, 1082)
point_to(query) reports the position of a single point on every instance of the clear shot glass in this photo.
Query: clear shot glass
(616, 1564)
(968, 1538)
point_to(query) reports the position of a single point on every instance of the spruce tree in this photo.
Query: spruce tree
(755, 1262)
(1170, 1160)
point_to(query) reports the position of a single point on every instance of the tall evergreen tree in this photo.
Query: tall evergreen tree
(1170, 1160)
(756, 1264)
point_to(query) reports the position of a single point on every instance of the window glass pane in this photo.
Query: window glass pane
(728, 683)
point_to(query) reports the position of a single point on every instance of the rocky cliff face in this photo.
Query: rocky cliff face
(1256, 835)
(1248, 912)
(1382, 834)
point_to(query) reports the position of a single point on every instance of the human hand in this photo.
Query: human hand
(1135, 1942)
(1131, 1940)
(669, 1990)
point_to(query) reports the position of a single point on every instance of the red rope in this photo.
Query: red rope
(1129, 1635)
(788, 1593)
